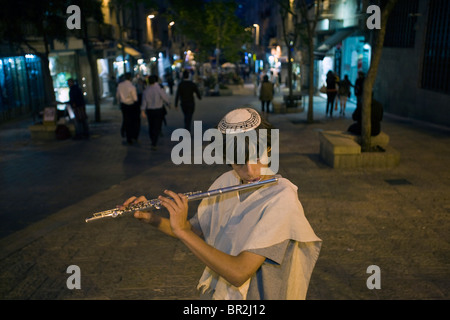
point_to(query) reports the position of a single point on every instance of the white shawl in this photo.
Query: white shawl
(270, 215)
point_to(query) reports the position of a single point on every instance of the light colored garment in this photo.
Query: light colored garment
(268, 216)
(126, 92)
(154, 97)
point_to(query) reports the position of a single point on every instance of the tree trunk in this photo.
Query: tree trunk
(95, 83)
(289, 101)
(94, 71)
(310, 117)
(49, 90)
(366, 126)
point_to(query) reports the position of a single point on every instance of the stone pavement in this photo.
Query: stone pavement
(395, 218)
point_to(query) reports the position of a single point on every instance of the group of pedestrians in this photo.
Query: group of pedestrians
(339, 91)
(151, 103)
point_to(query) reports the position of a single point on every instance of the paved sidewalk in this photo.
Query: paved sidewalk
(397, 219)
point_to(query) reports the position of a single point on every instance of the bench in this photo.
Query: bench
(381, 139)
(343, 150)
(279, 106)
(47, 132)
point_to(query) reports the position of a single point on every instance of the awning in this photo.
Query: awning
(131, 51)
(335, 38)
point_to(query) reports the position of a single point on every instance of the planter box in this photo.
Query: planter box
(341, 150)
(225, 92)
(47, 132)
(279, 106)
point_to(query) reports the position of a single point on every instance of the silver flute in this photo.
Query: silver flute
(197, 195)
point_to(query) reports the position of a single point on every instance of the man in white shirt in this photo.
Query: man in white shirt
(127, 96)
(153, 109)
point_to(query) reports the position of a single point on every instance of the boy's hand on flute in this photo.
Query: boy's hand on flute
(177, 206)
(145, 216)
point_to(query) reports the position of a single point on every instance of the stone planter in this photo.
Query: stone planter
(225, 92)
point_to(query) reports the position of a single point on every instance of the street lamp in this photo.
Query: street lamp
(257, 33)
(256, 26)
(171, 24)
(149, 28)
(291, 37)
(150, 39)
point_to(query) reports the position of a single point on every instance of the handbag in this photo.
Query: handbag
(323, 89)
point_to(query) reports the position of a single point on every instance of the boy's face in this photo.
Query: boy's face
(249, 172)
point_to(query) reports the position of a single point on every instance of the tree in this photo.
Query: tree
(371, 76)
(219, 28)
(308, 27)
(304, 23)
(289, 36)
(225, 30)
(91, 9)
(32, 26)
(23, 21)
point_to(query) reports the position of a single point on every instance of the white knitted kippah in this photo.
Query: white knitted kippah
(239, 120)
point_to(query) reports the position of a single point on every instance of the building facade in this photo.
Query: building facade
(128, 40)
(21, 86)
(413, 75)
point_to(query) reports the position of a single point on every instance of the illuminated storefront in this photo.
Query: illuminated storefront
(347, 57)
(63, 66)
(21, 86)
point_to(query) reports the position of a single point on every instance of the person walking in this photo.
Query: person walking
(127, 96)
(185, 94)
(152, 108)
(331, 92)
(78, 105)
(344, 93)
(359, 85)
(170, 82)
(266, 94)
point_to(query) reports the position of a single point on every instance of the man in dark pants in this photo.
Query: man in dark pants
(185, 93)
(152, 108)
(79, 109)
(127, 96)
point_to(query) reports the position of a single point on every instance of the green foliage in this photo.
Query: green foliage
(210, 25)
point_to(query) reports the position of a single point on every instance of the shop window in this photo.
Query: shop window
(62, 68)
(21, 86)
